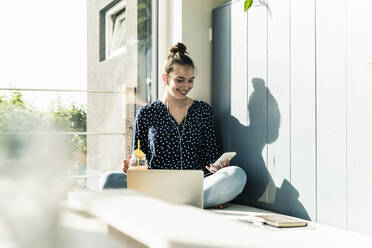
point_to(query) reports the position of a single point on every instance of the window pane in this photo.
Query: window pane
(42, 46)
(79, 162)
(101, 112)
(26, 111)
(146, 70)
(103, 153)
(65, 111)
(93, 110)
(107, 118)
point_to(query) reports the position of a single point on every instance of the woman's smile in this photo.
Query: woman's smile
(183, 92)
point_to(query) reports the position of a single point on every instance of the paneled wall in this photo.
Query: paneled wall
(290, 87)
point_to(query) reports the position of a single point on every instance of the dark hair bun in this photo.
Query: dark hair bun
(178, 48)
(177, 56)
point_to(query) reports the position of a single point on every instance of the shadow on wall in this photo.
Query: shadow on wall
(249, 142)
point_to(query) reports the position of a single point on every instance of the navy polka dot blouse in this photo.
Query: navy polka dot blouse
(190, 145)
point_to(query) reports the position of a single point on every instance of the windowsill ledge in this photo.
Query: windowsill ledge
(152, 222)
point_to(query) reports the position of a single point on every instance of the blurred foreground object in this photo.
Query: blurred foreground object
(31, 186)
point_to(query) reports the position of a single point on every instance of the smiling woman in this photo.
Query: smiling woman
(178, 78)
(178, 133)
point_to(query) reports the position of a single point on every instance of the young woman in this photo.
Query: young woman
(177, 132)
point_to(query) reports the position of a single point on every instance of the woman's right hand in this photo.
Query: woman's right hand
(125, 165)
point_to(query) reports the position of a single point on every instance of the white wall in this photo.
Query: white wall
(315, 58)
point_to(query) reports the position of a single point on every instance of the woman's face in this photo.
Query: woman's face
(180, 81)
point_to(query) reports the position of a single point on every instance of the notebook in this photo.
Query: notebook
(174, 186)
(279, 220)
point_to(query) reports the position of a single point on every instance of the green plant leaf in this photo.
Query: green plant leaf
(247, 4)
(141, 6)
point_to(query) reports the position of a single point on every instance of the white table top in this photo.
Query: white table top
(159, 224)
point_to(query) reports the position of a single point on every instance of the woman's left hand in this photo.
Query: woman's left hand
(214, 168)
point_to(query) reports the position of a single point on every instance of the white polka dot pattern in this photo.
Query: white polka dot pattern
(160, 138)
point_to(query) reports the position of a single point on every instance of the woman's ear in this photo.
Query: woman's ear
(165, 78)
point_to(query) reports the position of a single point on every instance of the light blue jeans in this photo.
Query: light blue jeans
(219, 188)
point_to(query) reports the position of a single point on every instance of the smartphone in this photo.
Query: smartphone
(224, 157)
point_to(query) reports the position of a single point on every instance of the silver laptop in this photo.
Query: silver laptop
(174, 186)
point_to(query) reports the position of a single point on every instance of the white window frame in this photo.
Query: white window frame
(110, 33)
